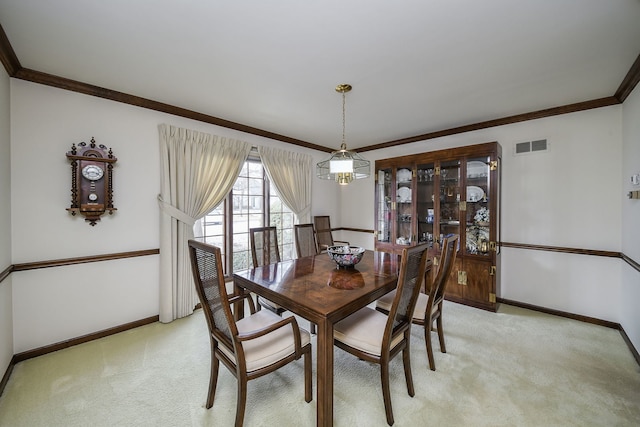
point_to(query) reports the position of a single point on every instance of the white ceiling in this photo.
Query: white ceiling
(416, 66)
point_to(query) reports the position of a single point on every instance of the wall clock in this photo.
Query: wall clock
(91, 180)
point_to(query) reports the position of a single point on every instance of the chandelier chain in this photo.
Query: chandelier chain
(344, 108)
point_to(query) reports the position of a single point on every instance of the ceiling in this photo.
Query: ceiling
(416, 66)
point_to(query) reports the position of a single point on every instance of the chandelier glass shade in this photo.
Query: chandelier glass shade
(343, 165)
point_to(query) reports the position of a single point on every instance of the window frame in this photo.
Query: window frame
(285, 234)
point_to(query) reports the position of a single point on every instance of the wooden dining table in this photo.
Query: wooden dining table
(315, 289)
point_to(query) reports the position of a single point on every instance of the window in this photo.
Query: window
(253, 202)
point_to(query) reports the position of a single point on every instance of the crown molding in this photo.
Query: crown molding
(14, 69)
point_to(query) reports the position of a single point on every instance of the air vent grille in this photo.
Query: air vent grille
(539, 145)
(527, 147)
(523, 147)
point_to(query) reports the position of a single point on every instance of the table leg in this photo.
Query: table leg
(324, 374)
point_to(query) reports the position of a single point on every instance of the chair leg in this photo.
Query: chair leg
(406, 361)
(386, 393)
(427, 339)
(308, 385)
(213, 379)
(242, 400)
(441, 335)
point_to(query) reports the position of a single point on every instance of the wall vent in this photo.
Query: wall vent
(530, 147)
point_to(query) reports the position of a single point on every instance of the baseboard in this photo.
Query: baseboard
(7, 374)
(85, 338)
(587, 319)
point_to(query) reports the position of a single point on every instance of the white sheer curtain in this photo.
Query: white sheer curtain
(291, 174)
(197, 171)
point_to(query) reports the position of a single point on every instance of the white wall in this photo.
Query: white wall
(56, 304)
(569, 196)
(6, 311)
(630, 292)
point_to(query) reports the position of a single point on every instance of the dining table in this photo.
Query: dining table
(315, 289)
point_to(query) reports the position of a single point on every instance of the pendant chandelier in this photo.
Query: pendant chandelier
(343, 166)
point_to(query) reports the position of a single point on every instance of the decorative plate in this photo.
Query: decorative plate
(404, 194)
(403, 175)
(474, 194)
(476, 169)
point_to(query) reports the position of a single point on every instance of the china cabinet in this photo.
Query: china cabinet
(422, 198)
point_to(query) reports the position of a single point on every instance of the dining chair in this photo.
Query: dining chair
(429, 306)
(324, 236)
(377, 337)
(305, 238)
(265, 251)
(251, 347)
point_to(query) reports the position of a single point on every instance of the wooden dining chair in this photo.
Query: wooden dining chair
(429, 306)
(324, 235)
(251, 347)
(265, 251)
(305, 238)
(264, 245)
(375, 337)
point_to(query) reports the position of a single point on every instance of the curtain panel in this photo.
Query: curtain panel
(290, 173)
(197, 171)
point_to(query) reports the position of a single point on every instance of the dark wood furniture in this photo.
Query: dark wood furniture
(429, 306)
(324, 233)
(91, 180)
(305, 238)
(313, 288)
(376, 337)
(426, 197)
(265, 250)
(264, 245)
(252, 347)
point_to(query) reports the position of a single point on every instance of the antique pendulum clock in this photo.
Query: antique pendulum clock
(91, 180)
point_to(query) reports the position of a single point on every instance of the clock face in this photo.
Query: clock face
(92, 172)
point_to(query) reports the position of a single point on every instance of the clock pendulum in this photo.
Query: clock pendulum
(92, 192)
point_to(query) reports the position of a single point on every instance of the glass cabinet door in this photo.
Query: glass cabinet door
(426, 202)
(478, 212)
(404, 205)
(383, 209)
(449, 192)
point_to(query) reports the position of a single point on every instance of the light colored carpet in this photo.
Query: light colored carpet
(512, 368)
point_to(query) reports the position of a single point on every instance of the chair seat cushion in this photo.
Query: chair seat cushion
(418, 313)
(269, 304)
(364, 331)
(385, 302)
(269, 348)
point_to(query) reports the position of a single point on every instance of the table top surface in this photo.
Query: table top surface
(313, 287)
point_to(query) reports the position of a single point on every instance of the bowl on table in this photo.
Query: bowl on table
(345, 256)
